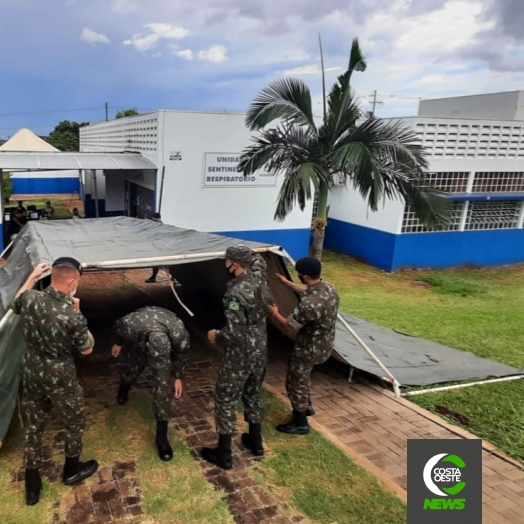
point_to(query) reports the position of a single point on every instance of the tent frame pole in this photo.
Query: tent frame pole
(461, 386)
(124, 264)
(391, 378)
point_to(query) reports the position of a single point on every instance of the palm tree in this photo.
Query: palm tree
(378, 159)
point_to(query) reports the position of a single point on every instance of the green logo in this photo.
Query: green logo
(433, 476)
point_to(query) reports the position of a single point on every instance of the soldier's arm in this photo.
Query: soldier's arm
(39, 270)
(180, 356)
(81, 338)
(233, 331)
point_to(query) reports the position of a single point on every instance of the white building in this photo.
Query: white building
(480, 162)
(196, 184)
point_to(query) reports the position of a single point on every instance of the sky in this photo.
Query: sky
(64, 59)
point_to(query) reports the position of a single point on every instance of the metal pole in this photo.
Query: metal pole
(115, 264)
(107, 111)
(2, 225)
(394, 381)
(460, 386)
(95, 188)
(161, 189)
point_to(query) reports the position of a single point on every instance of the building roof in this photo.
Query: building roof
(33, 161)
(26, 140)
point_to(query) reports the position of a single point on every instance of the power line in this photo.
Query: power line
(29, 126)
(52, 111)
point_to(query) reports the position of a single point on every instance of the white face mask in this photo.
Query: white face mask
(73, 292)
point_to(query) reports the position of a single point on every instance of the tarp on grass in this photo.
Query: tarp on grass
(121, 242)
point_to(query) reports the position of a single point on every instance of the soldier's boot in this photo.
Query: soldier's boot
(253, 439)
(221, 455)
(165, 452)
(123, 393)
(76, 471)
(33, 486)
(297, 426)
(310, 411)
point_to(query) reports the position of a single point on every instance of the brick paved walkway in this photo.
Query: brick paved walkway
(373, 427)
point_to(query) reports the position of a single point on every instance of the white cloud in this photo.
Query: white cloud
(143, 43)
(216, 54)
(185, 53)
(312, 69)
(168, 31)
(88, 35)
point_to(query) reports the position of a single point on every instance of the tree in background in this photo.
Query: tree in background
(126, 112)
(66, 135)
(8, 186)
(377, 159)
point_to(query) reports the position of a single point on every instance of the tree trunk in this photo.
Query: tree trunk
(320, 222)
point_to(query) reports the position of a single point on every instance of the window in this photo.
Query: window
(493, 215)
(449, 182)
(411, 224)
(498, 182)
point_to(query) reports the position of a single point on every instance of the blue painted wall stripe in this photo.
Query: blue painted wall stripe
(294, 241)
(45, 186)
(426, 250)
(370, 245)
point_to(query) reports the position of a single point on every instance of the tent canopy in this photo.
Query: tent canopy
(26, 140)
(121, 242)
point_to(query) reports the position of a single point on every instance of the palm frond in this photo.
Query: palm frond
(357, 62)
(286, 98)
(277, 149)
(297, 187)
(387, 161)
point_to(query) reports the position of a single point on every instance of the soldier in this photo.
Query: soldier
(313, 325)
(244, 340)
(154, 336)
(54, 330)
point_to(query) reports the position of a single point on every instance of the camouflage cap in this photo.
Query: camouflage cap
(68, 261)
(239, 254)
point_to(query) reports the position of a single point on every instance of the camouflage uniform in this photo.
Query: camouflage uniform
(244, 339)
(315, 319)
(53, 330)
(154, 336)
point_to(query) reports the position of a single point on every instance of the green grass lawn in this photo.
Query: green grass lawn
(478, 310)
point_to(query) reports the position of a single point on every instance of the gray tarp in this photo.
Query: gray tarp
(413, 361)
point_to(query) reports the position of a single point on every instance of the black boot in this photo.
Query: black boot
(310, 411)
(297, 426)
(76, 471)
(33, 486)
(123, 393)
(165, 452)
(253, 440)
(220, 456)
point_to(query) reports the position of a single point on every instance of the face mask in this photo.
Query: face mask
(73, 292)
(231, 271)
(302, 279)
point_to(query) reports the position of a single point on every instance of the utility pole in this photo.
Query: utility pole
(107, 111)
(374, 102)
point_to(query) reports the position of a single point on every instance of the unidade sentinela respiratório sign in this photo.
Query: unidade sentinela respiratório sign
(221, 170)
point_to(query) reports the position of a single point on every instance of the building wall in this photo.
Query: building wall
(497, 106)
(193, 198)
(178, 142)
(45, 183)
(481, 164)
